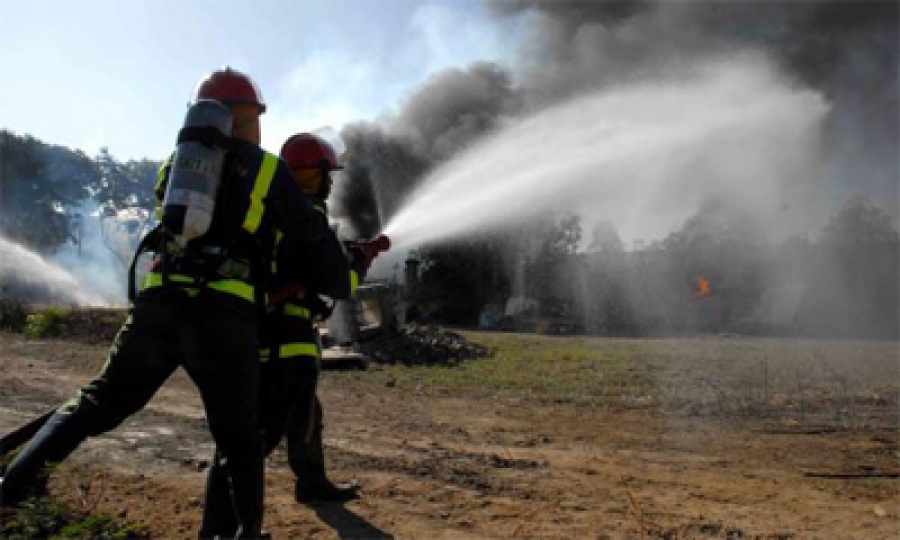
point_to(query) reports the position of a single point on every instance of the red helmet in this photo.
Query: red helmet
(229, 86)
(308, 151)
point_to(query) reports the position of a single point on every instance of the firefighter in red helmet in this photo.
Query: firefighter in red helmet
(311, 161)
(290, 353)
(198, 308)
(237, 92)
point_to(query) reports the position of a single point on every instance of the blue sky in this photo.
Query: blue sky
(118, 73)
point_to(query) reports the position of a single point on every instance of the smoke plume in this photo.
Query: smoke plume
(841, 55)
(846, 51)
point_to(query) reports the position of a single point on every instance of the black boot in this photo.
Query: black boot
(219, 519)
(26, 475)
(247, 492)
(321, 489)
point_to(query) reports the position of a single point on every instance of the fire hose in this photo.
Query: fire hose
(368, 248)
(23, 433)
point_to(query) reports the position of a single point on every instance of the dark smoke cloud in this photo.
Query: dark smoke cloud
(577, 11)
(456, 106)
(381, 170)
(847, 51)
(386, 161)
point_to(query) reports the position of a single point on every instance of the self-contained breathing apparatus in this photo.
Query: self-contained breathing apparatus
(196, 172)
(195, 181)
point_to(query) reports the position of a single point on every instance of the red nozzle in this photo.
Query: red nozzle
(381, 243)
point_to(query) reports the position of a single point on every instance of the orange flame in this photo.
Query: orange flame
(703, 289)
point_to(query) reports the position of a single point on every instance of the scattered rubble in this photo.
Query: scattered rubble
(411, 345)
(420, 345)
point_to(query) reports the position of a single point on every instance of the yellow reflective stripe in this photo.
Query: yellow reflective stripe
(155, 279)
(306, 350)
(260, 190)
(289, 350)
(354, 281)
(236, 287)
(296, 311)
(159, 187)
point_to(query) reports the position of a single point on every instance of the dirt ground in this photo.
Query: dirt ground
(470, 465)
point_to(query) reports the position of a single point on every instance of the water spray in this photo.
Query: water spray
(643, 156)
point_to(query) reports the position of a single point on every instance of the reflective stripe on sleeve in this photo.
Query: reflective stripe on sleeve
(236, 287)
(354, 281)
(261, 186)
(159, 189)
(294, 310)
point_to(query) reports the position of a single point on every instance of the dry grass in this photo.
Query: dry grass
(828, 383)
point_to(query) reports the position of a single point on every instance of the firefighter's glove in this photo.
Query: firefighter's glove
(320, 307)
(291, 291)
(362, 256)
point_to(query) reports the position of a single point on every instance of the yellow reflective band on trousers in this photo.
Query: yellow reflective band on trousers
(230, 286)
(293, 310)
(260, 190)
(291, 350)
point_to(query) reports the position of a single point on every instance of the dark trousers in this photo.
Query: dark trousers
(288, 405)
(216, 341)
(305, 449)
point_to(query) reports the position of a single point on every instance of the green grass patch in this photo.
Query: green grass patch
(45, 518)
(47, 322)
(827, 381)
(543, 368)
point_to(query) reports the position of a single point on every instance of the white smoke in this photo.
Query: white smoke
(91, 270)
(100, 257)
(31, 278)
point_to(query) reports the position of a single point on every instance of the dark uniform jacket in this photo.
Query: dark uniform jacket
(323, 269)
(257, 198)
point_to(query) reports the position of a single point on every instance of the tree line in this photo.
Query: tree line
(42, 184)
(713, 275)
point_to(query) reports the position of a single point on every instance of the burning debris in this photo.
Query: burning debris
(417, 345)
(703, 287)
(412, 345)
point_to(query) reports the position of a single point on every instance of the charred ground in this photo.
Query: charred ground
(550, 437)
